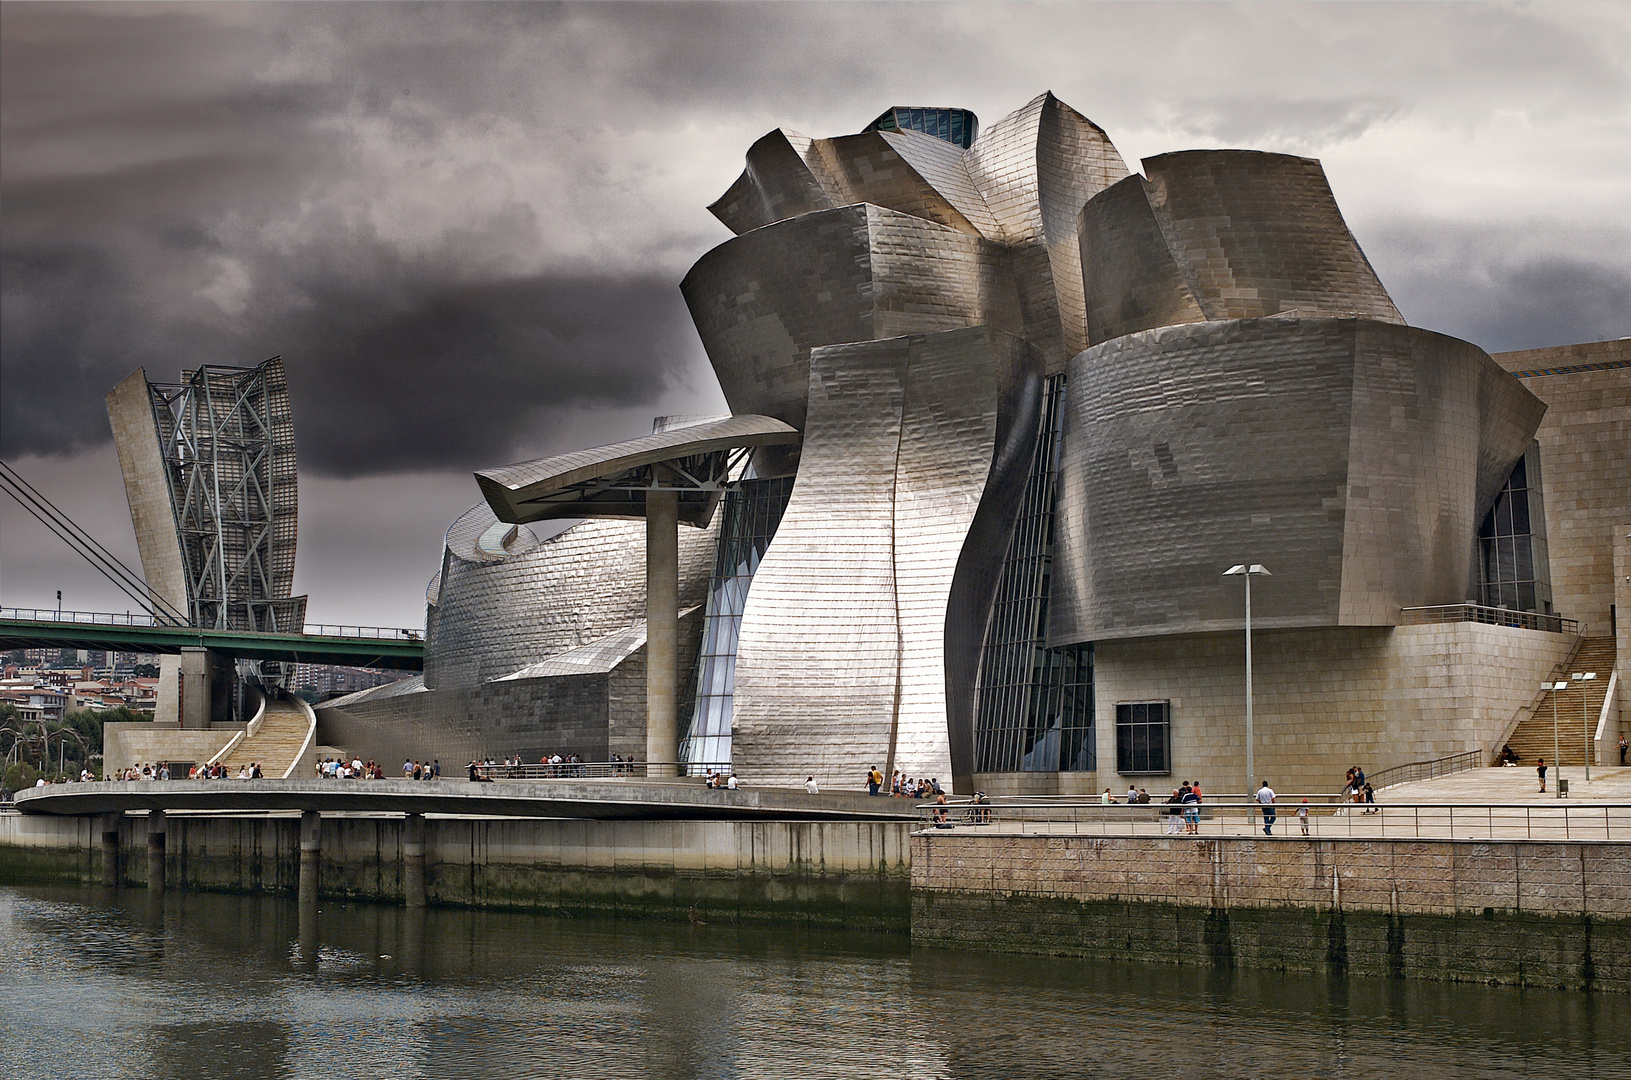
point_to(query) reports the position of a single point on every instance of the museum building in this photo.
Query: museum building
(1002, 415)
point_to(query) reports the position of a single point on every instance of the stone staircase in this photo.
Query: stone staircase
(1532, 738)
(277, 742)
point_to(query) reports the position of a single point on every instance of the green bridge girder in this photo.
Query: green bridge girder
(398, 653)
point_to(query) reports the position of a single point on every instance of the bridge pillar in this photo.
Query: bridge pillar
(110, 849)
(311, 854)
(662, 630)
(413, 860)
(155, 851)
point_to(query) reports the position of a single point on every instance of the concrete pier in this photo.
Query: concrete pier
(110, 849)
(311, 855)
(413, 860)
(662, 628)
(155, 851)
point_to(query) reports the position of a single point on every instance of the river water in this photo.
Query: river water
(98, 984)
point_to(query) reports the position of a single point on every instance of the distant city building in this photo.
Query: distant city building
(1003, 413)
(327, 679)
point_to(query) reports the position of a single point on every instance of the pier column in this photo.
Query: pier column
(413, 860)
(155, 851)
(311, 854)
(662, 630)
(110, 850)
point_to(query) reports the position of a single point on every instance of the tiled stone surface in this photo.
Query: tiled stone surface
(141, 461)
(1323, 699)
(840, 663)
(1585, 463)
(1392, 876)
(1348, 456)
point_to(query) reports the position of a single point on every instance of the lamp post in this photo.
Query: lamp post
(1557, 766)
(1247, 570)
(1585, 717)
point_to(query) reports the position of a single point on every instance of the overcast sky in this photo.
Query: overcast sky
(463, 225)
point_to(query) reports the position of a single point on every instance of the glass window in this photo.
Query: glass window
(1143, 738)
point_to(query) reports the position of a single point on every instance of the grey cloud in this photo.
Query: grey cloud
(1268, 122)
(1517, 286)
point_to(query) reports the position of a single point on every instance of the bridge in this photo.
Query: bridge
(600, 800)
(356, 646)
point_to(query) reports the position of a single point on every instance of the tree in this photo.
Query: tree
(145, 671)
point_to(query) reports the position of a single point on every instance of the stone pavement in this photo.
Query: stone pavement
(1516, 785)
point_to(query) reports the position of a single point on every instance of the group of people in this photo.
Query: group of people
(421, 770)
(1184, 813)
(1357, 789)
(727, 780)
(355, 769)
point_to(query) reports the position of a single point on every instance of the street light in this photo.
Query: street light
(1246, 571)
(1585, 718)
(1557, 766)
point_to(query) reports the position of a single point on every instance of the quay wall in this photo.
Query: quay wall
(802, 873)
(1526, 912)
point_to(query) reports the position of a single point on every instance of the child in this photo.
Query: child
(1302, 816)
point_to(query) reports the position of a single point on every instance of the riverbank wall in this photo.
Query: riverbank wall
(853, 875)
(1524, 913)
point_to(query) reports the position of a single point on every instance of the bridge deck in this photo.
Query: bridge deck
(591, 799)
(402, 652)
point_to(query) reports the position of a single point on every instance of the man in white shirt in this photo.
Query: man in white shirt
(811, 786)
(1265, 797)
(731, 783)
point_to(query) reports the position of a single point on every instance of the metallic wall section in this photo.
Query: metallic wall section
(841, 661)
(1035, 704)
(777, 183)
(1250, 234)
(141, 462)
(873, 272)
(1036, 167)
(497, 613)
(1354, 458)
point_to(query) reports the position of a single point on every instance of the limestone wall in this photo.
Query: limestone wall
(124, 745)
(1324, 698)
(1552, 914)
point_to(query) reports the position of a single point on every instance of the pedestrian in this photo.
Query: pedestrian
(1622, 749)
(1540, 767)
(874, 780)
(1302, 816)
(1265, 799)
(1191, 798)
(1106, 799)
(811, 786)
(1370, 799)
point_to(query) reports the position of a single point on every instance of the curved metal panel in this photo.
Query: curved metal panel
(1131, 278)
(777, 183)
(1346, 455)
(762, 301)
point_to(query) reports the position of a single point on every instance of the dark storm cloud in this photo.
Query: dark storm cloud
(1491, 286)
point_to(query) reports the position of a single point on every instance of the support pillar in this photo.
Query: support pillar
(311, 854)
(110, 850)
(155, 852)
(662, 631)
(413, 860)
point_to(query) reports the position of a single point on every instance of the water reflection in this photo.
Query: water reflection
(103, 984)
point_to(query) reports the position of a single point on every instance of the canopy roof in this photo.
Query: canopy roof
(612, 481)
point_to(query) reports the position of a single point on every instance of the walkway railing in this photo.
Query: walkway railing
(597, 770)
(1428, 770)
(1494, 616)
(109, 618)
(1325, 820)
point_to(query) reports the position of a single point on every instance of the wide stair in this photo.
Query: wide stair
(277, 742)
(1532, 738)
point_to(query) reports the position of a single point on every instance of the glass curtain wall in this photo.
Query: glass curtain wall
(753, 509)
(1034, 705)
(1514, 570)
(956, 126)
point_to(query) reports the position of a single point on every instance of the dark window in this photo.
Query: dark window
(1513, 568)
(1143, 738)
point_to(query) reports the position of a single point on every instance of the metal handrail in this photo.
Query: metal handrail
(1427, 770)
(600, 770)
(1494, 616)
(1215, 818)
(109, 618)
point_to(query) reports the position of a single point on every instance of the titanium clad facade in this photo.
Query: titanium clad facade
(506, 600)
(1035, 704)
(841, 659)
(1036, 167)
(751, 513)
(1354, 458)
(1232, 234)
(874, 273)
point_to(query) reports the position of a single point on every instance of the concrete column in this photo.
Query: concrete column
(110, 850)
(311, 854)
(662, 630)
(155, 851)
(413, 860)
(193, 689)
